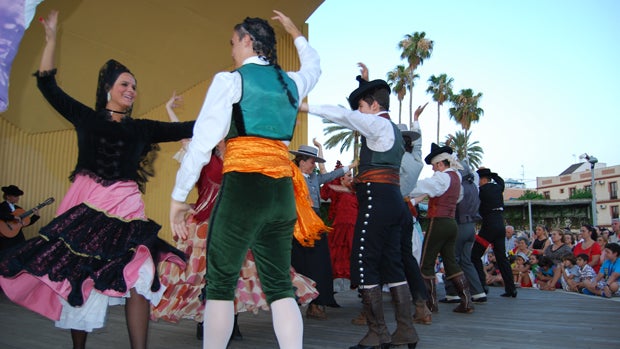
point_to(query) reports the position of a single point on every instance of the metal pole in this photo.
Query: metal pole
(529, 214)
(593, 190)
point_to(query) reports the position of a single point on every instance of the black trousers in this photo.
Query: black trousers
(493, 230)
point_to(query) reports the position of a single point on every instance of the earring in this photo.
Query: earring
(109, 97)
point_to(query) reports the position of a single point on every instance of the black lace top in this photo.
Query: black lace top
(110, 151)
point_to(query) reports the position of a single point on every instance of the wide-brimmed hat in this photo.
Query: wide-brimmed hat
(405, 131)
(364, 88)
(522, 255)
(436, 150)
(486, 172)
(306, 150)
(12, 190)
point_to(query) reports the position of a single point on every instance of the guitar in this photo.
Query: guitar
(11, 228)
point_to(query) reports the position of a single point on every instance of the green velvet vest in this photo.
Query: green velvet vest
(370, 159)
(264, 109)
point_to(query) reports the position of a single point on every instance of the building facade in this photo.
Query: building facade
(579, 177)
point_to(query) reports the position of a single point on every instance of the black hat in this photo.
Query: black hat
(436, 150)
(12, 190)
(306, 150)
(405, 131)
(365, 88)
(485, 172)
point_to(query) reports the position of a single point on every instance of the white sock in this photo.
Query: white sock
(219, 318)
(287, 323)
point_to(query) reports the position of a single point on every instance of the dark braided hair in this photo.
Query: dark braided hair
(264, 44)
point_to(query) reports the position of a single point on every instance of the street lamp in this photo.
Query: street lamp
(592, 160)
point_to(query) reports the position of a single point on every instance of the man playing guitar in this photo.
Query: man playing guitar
(9, 214)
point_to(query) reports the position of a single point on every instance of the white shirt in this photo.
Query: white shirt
(214, 119)
(378, 130)
(436, 185)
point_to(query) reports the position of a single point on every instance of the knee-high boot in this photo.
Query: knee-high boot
(462, 287)
(378, 334)
(431, 302)
(422, 314)
(405, 332)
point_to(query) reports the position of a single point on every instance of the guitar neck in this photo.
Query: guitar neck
(30, 211)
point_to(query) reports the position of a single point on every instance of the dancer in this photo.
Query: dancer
(342, 214)
(443, 188)
(376, 257)
(314, 261)
(100, 249)
(257, 106)
(493, 229)
(184, 295)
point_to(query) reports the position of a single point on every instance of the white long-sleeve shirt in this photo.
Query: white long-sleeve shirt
(378, 130)
(214, 118)
(436, 185)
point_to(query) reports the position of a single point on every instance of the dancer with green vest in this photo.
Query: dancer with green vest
(263, 194)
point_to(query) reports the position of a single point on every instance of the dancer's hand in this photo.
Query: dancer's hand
(178, 211)
(288, 25)
(363, 70)
(50, 25)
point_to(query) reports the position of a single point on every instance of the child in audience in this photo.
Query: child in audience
(605, 283)
(570, 273)
(491, 269)
(521, 270)
(544, 277)
(586, 272)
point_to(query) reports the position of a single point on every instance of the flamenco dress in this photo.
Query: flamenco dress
(101, 244)
(343, 214)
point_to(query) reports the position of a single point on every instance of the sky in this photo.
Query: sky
(547, 70)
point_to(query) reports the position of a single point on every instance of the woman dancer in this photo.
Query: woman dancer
(100, 249)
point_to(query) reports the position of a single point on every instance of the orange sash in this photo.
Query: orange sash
(270, 157)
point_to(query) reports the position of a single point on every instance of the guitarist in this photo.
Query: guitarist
(11, 196)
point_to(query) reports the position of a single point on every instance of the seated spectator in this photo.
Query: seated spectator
(534, 266)
(521, 270)
(589, 246)
(521, 246)
(571, 275)
(540, 240)
(556, 252)
(544, 276)
(491, 269)
(602, 241)
(606, 282)
(569, 239)
(586, 273)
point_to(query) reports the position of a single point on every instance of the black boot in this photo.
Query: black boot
(431, 302)
(405, 332)
(236, 333)
(199, 331)
(462, 287)
(377, 335)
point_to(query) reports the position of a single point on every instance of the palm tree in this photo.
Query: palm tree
(460, 143)
(343, 136)
(415, 49)
(441, 88)
(399, 80)
(465, 110)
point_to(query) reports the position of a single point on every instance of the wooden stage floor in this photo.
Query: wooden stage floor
(536, 319)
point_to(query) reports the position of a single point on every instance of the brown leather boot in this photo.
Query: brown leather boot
(316, 312)
(378, 334)
(405, 332)
(422, 314)
(462, 287)
(431, 302)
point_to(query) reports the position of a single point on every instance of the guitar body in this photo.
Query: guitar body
(10, 229)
